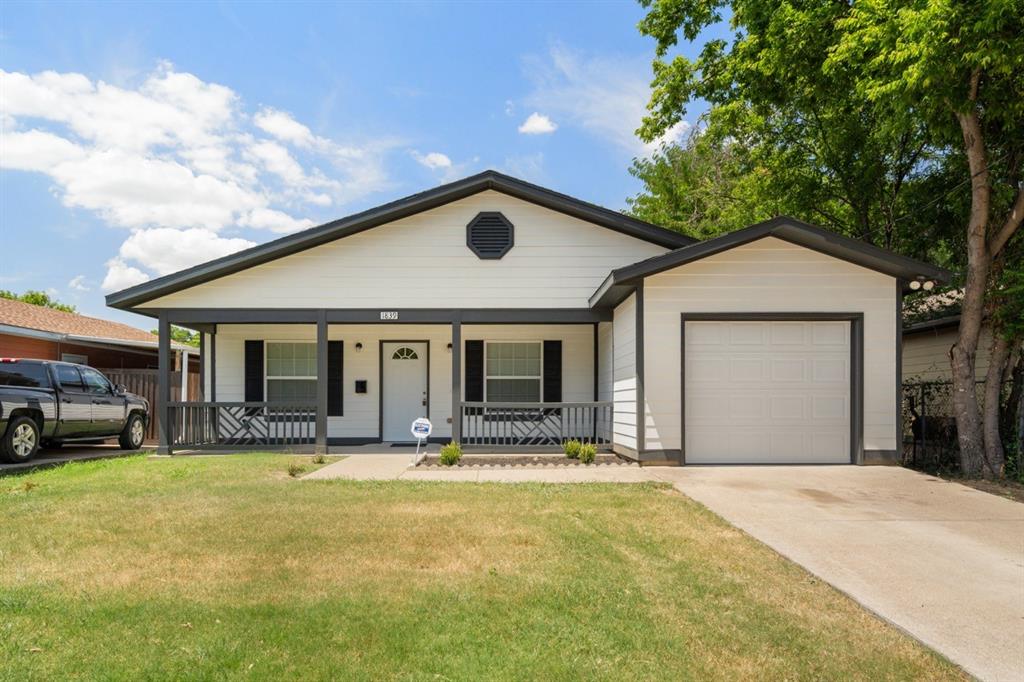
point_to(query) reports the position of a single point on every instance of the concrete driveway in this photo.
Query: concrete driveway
(940, 560)
(71, 453)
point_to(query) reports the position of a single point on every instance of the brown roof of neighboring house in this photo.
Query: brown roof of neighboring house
(74, 326)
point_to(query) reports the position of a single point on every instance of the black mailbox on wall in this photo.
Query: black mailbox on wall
(360, 385)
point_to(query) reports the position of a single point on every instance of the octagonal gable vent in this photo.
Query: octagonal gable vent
(489, 235)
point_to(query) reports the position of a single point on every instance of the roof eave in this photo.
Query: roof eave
(126, 299)
(787, 229)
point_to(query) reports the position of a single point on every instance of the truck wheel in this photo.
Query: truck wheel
(134, 433)
(21, 441)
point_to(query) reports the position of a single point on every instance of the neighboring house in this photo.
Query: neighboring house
(514, 316)
(32, 331)
(926, 350)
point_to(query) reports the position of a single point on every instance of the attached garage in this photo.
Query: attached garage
(768, 391)
(775, 344)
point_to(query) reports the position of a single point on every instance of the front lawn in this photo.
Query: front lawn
(225, 567)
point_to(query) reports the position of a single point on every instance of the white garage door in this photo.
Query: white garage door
(767, 392)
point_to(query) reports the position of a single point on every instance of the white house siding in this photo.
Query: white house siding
(768, 275)
(926, 354)
(624, 374)
(361, 418)
(423, 262)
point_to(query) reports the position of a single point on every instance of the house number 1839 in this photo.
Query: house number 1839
(389, 314)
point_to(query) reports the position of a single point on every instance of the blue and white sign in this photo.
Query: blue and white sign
(421, 430)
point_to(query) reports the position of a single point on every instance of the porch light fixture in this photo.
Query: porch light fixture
(449, 348)
(359, 346)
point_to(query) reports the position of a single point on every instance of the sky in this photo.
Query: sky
(137, 139)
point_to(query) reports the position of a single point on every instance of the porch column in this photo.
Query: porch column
(202, 367)
(213, 365)
(457, 377)
(163, 383)
(321, 383)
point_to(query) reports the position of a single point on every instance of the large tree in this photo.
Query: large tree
(867, 100)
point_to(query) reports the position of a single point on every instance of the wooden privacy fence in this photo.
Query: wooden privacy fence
(142, 382)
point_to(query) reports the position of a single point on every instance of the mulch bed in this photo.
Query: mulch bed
(524, 461)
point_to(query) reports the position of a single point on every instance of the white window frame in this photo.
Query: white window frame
(266, 365)
(539, 378)
(74, 358)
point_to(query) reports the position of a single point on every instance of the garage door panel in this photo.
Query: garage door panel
(767, 392)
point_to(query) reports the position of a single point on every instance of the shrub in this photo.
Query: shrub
(296, 469)
(319, 459)
(572, 448)
(450, 454)
(588, 452)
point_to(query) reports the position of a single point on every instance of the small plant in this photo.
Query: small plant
(571, 448)
(450, 454)
(319, 458)
(296, 469)
(588, 452)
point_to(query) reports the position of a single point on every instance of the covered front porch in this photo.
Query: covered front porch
(320, 380)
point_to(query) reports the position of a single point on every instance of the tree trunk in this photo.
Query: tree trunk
(995, 458)
(970, 435)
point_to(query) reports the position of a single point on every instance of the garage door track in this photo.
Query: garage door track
(940, 560)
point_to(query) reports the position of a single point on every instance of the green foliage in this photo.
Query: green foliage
(319, 459)
(835, 113)
(296, 469)
(450, 454)
(182, 335)
(588, 453)
(701, 188)
(37, 298)
(571, 448)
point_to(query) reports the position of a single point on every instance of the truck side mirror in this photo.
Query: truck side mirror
(120, 389)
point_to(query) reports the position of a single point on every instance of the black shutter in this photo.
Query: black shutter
(474, 371)
(335, 377)
(552, 372)
(254, 371)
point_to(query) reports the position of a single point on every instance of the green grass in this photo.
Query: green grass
(226, 567)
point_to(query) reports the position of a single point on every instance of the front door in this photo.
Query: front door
(404, 388)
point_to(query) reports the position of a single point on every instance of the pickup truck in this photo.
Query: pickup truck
(50, 403)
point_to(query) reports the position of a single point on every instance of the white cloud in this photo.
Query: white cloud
(282, 126)
(527, 166)
(275, 221)
(433, 160)
(165, 250)
(176, 160)
(120, 275)
(606, 96)
(537, 124)
(78, 283)
(35, 150)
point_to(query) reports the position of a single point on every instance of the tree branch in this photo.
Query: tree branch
(1013, 221)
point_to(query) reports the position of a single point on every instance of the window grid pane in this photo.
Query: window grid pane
(513, 390)
(513, 359)
(291, 360)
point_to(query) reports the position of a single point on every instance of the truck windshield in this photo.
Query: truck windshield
(24, 374)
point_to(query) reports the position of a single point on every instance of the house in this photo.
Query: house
(926, 346)
(33, 331)
(125, 354)
(513, 316)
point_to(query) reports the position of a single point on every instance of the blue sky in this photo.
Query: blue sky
(141, 138)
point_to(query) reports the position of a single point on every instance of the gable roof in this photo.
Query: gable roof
(73, 327)
(395, 210)
(618, 285)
